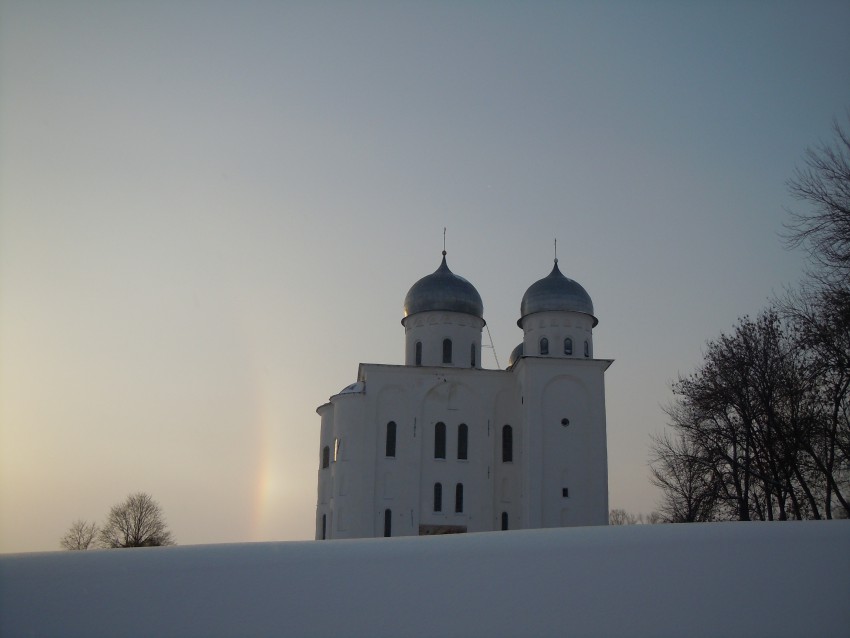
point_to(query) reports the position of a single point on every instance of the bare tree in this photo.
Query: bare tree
(137, 522)
(825, 184)
(621, 517)
(80, 536)
(685, 477)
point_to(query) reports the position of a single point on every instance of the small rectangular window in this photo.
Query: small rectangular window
(390, 443)
(565, 492)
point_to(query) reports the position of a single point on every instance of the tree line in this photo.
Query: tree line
(135, 522)
(761, 429)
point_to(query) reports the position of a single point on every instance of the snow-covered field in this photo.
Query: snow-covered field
(718, 579)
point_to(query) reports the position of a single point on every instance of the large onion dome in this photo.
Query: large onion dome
(443, 290)
(555, 293)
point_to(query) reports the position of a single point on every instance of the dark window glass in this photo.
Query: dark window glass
(507, 444)
(324, 526)
(586, 349)
(462, 440)
(326, 456)
(438, 497)
(440, 441)
(419, 353)
(544, 346)
(568, 346)
(447, 350)
(390, 438)
(472, 355)
(459, 498)
(504, 521)
(565, 492)
(388, 523)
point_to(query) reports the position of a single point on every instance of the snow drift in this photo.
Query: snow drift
(716, 579)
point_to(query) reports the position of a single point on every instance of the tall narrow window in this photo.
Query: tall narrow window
(472, 356)
(388, 523)
(337, 445)
(462, 440)
(440, 441)
(418, 351)
(324, 526)
(459, 498)
(447, 350)
(438, 497)
(390, 439)
(586, 349)
(507, 444)
(326, 456)
(504, 521)
(544, 346)
(568, 346)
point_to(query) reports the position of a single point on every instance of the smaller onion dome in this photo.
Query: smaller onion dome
(516, 354)
(443, 290)
(555, 293)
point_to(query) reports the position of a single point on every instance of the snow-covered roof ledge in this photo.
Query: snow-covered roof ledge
(716, 579)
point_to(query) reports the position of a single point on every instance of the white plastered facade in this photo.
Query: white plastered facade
(521, 448)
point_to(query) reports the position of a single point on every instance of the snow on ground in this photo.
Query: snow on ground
(716, 579)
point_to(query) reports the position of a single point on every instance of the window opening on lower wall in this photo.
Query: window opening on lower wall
(459, 498)
(462, 442)
(388, 523)
(440, 440)
(507, 444)
(504, 521)
(390, 446)
(438, 497)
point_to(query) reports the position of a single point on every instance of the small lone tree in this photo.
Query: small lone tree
(137, 522)
(80, 536)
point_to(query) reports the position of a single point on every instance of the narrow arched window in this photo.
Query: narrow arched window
(418, 353)
(504, 521)
(324, 526)
(440, 441)
(326, 456)
(459, 498)
(507, 444)
(462, 441)
(447, 350)
(388, 523)
(568, 346)
(586, 349)
(390, 451)
(544, 346)
(472, 356)
(438, 497)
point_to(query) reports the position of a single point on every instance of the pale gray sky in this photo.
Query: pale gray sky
(210, 213)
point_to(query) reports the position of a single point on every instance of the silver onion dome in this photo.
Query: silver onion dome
(555, 293)
(516, 355)
(443, 290)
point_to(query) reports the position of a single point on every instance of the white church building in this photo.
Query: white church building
(440, 445)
